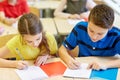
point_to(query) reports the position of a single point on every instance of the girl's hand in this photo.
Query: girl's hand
(74, 16)
(97, 66)
(84, 16)
(41, 60)
(21, 64)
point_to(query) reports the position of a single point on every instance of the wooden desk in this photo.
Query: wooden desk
(46, 4)
(49, 25)
(63, 27)
(46, 7)
(10, 74)
(117, 20)
(8, 29)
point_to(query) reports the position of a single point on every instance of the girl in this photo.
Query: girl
(75, 9)
(31, 43)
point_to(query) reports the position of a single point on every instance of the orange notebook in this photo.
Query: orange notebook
(54, 68)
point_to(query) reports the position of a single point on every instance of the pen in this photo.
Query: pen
(21, 57)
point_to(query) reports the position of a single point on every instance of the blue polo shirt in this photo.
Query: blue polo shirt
(108, 46)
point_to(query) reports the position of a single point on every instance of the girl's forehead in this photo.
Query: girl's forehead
(32, 37)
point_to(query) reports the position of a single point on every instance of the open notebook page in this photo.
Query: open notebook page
(31, 73)
(82, 72)
(74, 22)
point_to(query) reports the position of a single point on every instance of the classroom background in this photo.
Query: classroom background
(60, 28)
(44, 9)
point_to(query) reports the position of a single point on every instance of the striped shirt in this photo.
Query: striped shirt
(108, 46)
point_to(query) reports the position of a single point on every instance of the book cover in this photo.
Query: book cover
(53, 68)
(109, 74)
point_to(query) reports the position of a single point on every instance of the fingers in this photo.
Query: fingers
(22, 65)
(94, 66)
(74, 16)
(73, 64)
(41, 60)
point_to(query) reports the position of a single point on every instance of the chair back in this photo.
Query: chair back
(3, 40)
(35, 11)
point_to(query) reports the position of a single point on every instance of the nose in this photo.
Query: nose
(35, 43)
(94, 36)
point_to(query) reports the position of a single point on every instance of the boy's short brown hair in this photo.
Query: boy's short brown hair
(102, 15)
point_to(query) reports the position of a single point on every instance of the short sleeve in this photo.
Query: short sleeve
(13, 43)
(1, 6)
(71, 40)
(25, 7)
(117, 47)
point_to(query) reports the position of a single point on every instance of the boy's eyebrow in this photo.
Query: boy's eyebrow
(93, 31)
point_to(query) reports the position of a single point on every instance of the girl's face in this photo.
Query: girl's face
(96, 33)
(33, 40)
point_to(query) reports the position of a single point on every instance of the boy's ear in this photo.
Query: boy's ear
(111, 27)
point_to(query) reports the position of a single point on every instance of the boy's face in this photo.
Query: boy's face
(96, 33)
(33, 40)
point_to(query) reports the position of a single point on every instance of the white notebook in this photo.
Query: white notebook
(32, 73)
(74, 22)
(82, 72)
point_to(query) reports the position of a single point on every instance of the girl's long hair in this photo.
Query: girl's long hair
(30, 24)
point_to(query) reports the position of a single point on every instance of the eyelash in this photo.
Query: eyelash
(31, 41)
(38, 39)
(92, 32)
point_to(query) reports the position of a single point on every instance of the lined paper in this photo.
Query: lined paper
(74, 22)
(31, 73)
(82, 72)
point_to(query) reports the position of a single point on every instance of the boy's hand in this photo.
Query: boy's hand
(96, 66)
(72, 63)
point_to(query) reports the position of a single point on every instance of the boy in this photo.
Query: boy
(97, 37)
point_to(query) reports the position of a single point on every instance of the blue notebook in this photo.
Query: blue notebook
(109, 74)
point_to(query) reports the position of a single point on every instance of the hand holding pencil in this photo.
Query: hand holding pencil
(21, 64)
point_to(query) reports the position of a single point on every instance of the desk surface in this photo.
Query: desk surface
(8, 29)
(117, 20)
(45, 4)
(49, 25)
(10, 74)
(63, 26)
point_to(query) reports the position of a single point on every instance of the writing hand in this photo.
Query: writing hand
(21, 64)
(73, 63)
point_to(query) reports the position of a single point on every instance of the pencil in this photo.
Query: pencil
(18, 52)
(21, 57)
